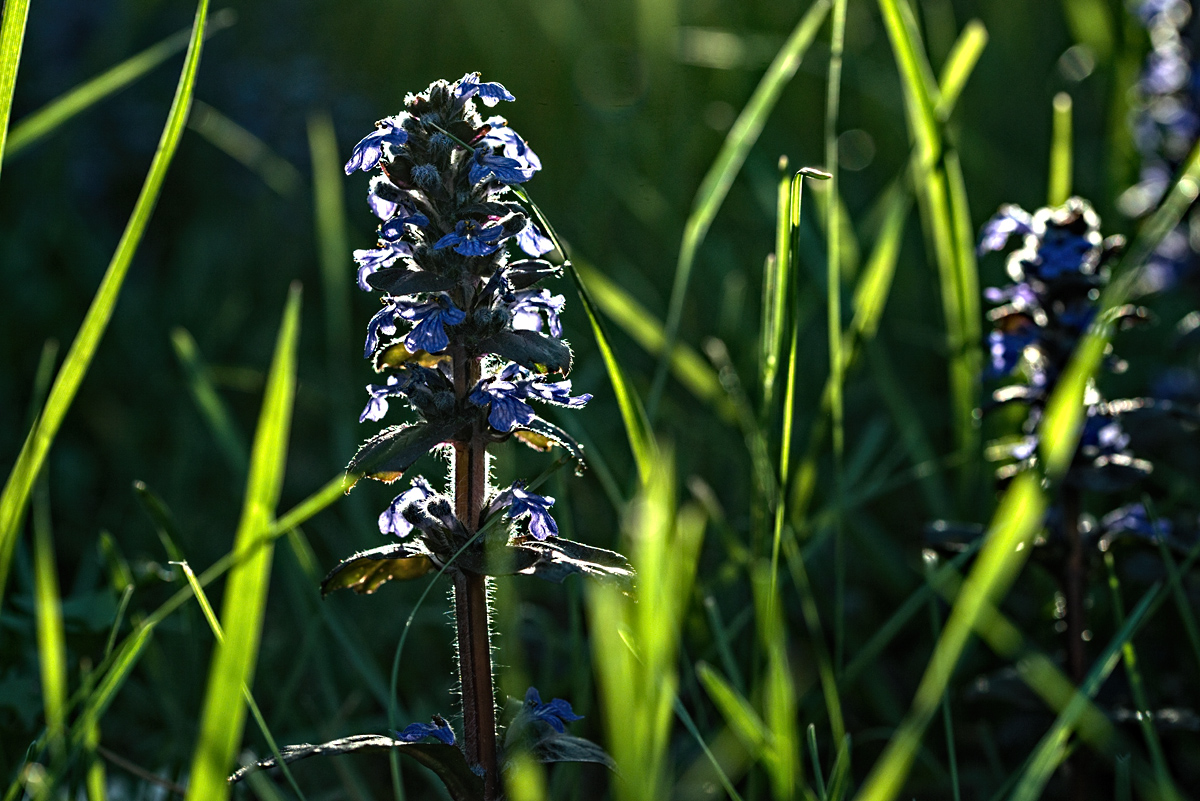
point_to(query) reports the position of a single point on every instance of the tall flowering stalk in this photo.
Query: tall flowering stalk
(469, 341)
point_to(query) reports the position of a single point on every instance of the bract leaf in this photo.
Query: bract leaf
(402, 281)
(530, 349)
(366, 571)
(568, 748)
(551, 432)
(445, 760)
(389, 453)
(559, 558)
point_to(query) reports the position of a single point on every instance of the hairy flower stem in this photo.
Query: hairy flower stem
(471, 612)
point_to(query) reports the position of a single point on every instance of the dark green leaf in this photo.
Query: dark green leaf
(402, 281)
(567, 748)
(366, 571)
(444, 760)
(527, 272)
(559, 558)
(389, 453)
(556, 435)
(530, 349)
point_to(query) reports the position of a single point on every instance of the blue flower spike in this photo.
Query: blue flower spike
(555, 713)
(416, 732)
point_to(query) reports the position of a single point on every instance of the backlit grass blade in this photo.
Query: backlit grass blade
(245, 596)
(219, 634)
(245, 148)
(968, 361)
(1053, 746)
(212, 408)
(1137, 687)
(633, 414)
(776, 273)
(32, 128)
(935, 623)
(689, 368)
(958, 67)
(779, 692)
(739, 714)
(1023, 506)
(1060, 151)
(52, 646)
(724, 169)
(15, 496)
(12, 37)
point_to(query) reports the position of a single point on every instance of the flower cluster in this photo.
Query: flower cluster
(1166, 123)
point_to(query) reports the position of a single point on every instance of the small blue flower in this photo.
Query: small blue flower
(1132, 519)
(470, 238)
(431, 318)
(558, 393)
(1102, 436)
(533, 242)
(371, 261)
(392, 520)
(485, 165)
(1009, 221)
(395, 228)
(523, 504)
(439, 729)
(508, 409)
(384, 197)
(377, 405)
(1006, 350)
(556, 713)
(529, 305)
(384, 322)
(514, 147)
(369, 151)
(489, 93)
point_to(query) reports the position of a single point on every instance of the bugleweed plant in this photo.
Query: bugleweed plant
(467, 337)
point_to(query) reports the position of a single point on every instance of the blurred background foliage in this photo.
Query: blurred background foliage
(627, 104)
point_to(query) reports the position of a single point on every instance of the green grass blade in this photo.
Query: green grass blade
(246, 148)
(909, 59)
(1052, 748)
(1060, 151)
(633, 414)
(12, 37)
(814, 755)
(776, 274)
(959, 66)
(219, 634)
(246, 589)
(935, 624)
(51, 640)
(719, 178)
(779, 692)
(1145, 715)
(41, 123)
(15, 496)
(688, 367)
(968, 361)
(212, 408)
(739, 713)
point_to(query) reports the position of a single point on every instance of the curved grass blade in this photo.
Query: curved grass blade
(12, 37)
(15, 496)
(1023, 506)
(232, 665)
(719, 178)
(52, 647)
(246, 149)
(633, 414)
(212, 408)
(1053, 746)
(958, 67)
(41, 123)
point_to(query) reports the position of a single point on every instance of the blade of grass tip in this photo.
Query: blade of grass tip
(1144, 715)
(721, 635)
(12, 37)
(776, 271)
(1060, 151)
(52, 646)
(814, 755)
(633, 414)
(739, 713)
(833, 305)
(930, 560)
(224, 714)
(246, 149)
(219, 634)
(688, 367)
(15, 496)
(958, 67)
(1182, 604)
(329, 208)
(838, 781)
(719, 178)
(212, 408)
(32, 128)
(1053, 746)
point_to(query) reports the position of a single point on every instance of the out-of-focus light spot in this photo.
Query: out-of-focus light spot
(1077, 63)
(719, 115)
(856, 149)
